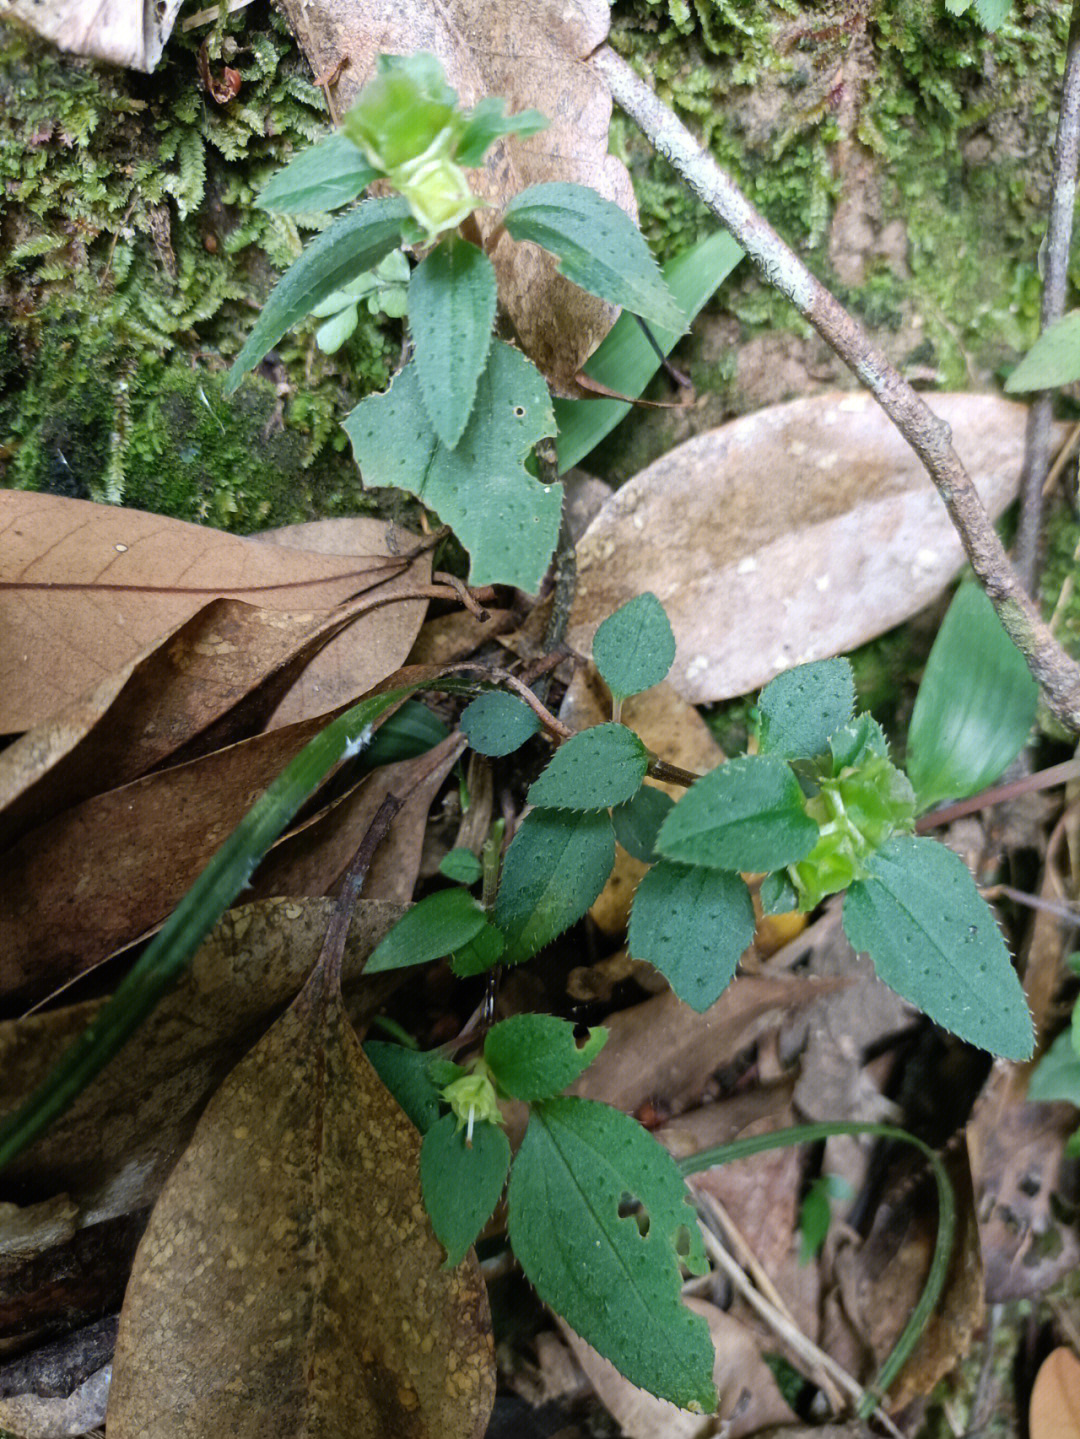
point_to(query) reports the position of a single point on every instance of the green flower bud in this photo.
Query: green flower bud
(404, 111)
(472, 1098)
(438, 194)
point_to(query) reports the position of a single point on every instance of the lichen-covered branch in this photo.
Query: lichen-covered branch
(1058, 242)
(928, 436)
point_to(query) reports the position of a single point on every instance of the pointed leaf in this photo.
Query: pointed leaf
(407, 1075)
(479, 954)
(328, 174)
(692, 924)
(933, 939)
(747, 815)
(487, 121)
(554, 869)
(1053, 360)
(288, 1275)
(802, 708)
(975, 706)
(637, 821)
(497, 723)
(634, 648)
(533, 1056)
(508, 521)
(1057, 1074)
(461, 1180)
(354, 242)
(597, 768)
(437, 925)
(616, 1286)
(598, 247)
(452, 298)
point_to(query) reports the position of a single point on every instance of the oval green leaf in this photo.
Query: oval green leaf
(617, 1287)
(436, 926)
(327, 174)
(637, 821)
(692, 924)
(600, 767)
(533, 1056)
(1053, 360)
(634, 648)
(555, 867)
(497, 723)
(747, 816)
(801, 709)
(452, 298)
(598, 247)
(933, 939)
(461, 1180)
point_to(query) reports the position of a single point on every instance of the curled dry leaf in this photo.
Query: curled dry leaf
(121, 34)
(529, 52)
(289, 1281)
(1055, 1398)
(85, 589)
(789, 535)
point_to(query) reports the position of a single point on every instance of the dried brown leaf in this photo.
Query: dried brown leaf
(1055, 1398)
(85, 589)
(289, 1280)
(791, 534)
(530, 52)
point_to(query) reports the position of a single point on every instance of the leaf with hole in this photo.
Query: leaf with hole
(355, 242)
(452, 298)
(554, 869)
(801, 709)
(508, 521)
(597, 768)
(692, 924)
(497, 723)
(578, 1161)
(598, 246)
(637, 821)
(634, 648)
(435, 926)
(327, 174)
(461, 1179)
(533, 1056)
(975, 706)
(935, 942)
(747, 815)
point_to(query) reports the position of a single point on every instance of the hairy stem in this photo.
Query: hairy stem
(1056, 253)
(928, 436)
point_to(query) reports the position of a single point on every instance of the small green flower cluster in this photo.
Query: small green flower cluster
(857, 807)
(407, 122)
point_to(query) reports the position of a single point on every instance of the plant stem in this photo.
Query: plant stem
(928, 436)
(1056, 252)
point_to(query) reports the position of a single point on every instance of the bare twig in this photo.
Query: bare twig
(1056, 252)
(929, 437)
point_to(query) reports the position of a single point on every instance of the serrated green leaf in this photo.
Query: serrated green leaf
(328, 174)
(597, 768)
(992, 13)
(778, 894)
(802, 708)
(1057, 1074)
(436, 926)
(1053, 360)
(933, 939)
(856, 741)
(692, 925)
(625, 361)
(452, 299)
(598, 247)
(617, 1287)
(747, 816)
(407, 1075)
(556, 866)
(462, 866)
(354, 242)
(637, 821)
(508, 521)
(975, 706)
(533, 1056)
(497, 723)
(479, 954)
(487, 121)
(461, 1181)
(634, 648)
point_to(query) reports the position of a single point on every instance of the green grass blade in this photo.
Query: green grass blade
(626, 362)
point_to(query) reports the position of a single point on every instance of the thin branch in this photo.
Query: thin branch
(928, 436)
(1057, 244)
(1050, 778)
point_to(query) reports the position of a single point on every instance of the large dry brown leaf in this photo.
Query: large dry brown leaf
(289, 1281)
(791, 534)
(85, 589)
(105, 872)
(530, 52)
